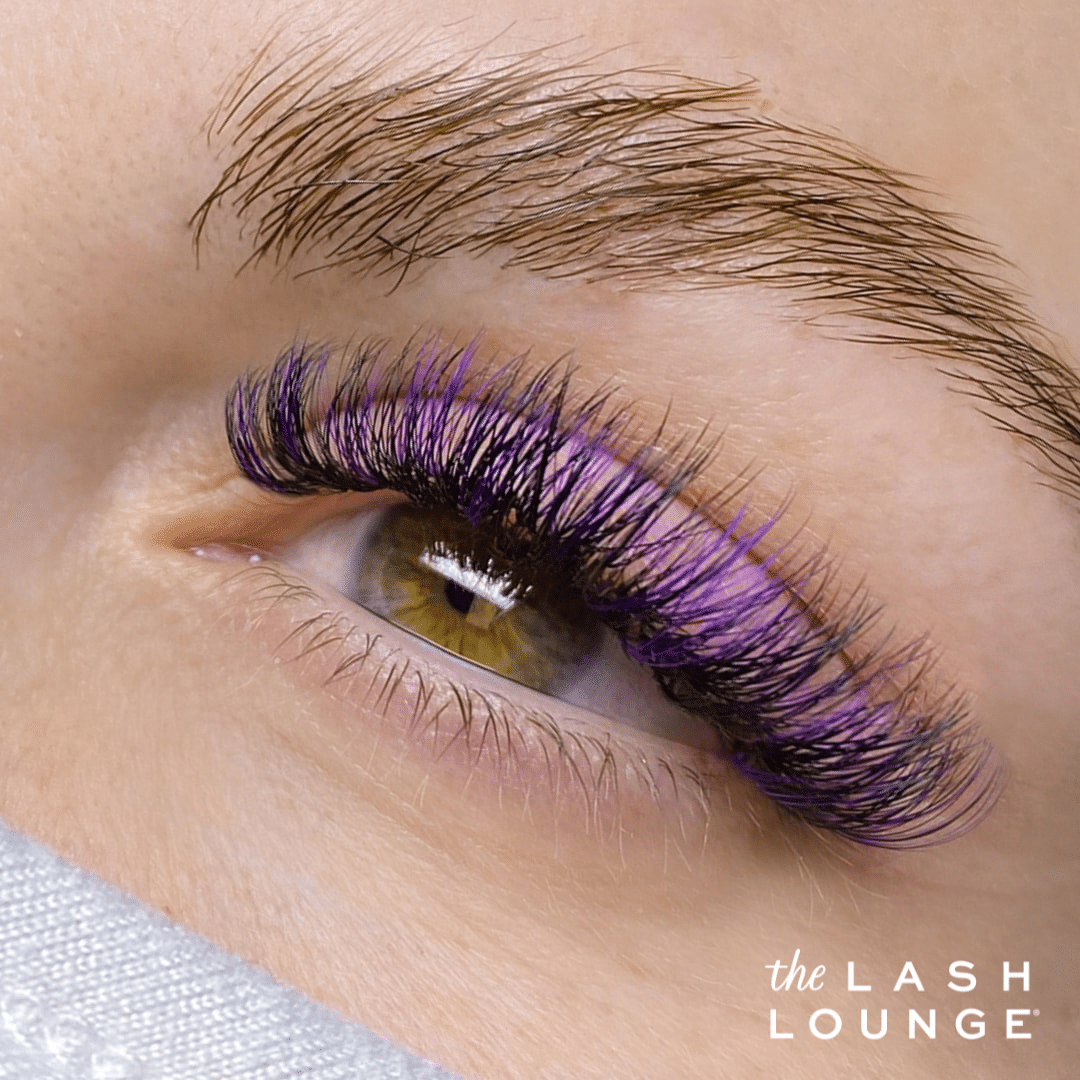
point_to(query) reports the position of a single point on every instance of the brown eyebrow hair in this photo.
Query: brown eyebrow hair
(644, 177)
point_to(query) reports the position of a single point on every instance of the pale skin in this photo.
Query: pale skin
(156, 733)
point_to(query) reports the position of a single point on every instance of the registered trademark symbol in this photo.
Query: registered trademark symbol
(1035, 1012)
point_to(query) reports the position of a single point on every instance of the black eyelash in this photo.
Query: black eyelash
(851, 746)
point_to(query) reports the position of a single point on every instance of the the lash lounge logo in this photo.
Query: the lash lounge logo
(921, 1023)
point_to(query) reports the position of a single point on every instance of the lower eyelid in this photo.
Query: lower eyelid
(392, 706)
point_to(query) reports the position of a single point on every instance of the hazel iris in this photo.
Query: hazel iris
(431, 573)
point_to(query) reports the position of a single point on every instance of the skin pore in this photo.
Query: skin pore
(168, 719)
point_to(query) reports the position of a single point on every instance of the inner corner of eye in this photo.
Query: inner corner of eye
(469, 593)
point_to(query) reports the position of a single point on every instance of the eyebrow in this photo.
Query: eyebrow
(646, 178)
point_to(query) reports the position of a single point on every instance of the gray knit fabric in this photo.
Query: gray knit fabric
(95, 986)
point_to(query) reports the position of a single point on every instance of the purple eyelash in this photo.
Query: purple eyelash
(849, 744)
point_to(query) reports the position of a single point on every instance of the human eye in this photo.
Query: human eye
(548, 538)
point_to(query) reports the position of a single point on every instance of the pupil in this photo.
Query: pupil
(458, 597)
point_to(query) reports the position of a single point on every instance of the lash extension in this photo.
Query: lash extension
(569, 486)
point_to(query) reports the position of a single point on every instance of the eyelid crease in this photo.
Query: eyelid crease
(857, 746)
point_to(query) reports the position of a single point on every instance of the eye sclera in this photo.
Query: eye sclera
(854, 747)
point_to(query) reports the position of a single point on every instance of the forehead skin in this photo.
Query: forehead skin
(147, 736)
